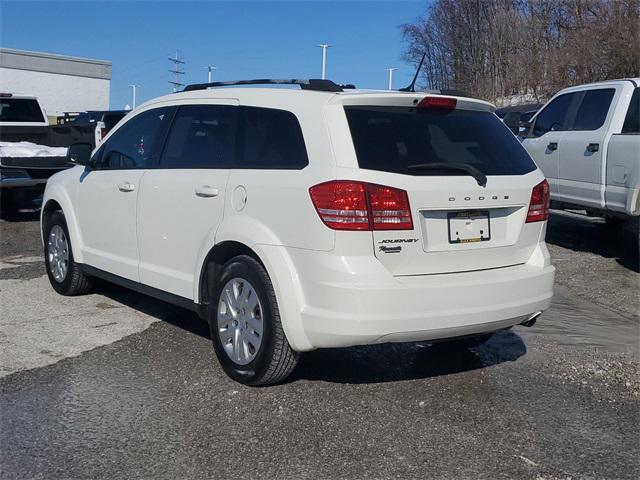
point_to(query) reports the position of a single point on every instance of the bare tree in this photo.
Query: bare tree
(497, 49)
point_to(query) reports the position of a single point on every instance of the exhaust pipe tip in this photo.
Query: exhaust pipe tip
(531, 321)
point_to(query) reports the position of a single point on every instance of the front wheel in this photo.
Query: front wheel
(245, 325)
(64, 273)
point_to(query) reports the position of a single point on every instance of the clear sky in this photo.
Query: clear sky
(243, 39)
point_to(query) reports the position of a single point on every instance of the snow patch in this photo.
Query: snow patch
(28, 149)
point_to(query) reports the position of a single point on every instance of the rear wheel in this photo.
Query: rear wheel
(245, 325)
(64, 273)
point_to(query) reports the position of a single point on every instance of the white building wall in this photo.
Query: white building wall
(57, 93)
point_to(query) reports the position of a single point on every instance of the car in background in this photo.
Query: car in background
(516, 116)
(102, 121)
(26, 158)
(586, 140)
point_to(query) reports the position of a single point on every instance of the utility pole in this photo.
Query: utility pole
(211, 69)
(176, 72)
(390, 70)
(133, 87)
(324, 47)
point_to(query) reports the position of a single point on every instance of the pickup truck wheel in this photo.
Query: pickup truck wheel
(65, 275)
(245, 325)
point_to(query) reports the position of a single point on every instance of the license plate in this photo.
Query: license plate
(469, 227)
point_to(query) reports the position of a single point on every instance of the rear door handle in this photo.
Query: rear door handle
(126, 187)
(593, 147)
(206, 191)
(552, 146)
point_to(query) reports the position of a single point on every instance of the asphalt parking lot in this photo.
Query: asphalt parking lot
(116, 385)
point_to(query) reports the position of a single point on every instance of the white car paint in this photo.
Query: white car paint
(333, 288)
(605, 181)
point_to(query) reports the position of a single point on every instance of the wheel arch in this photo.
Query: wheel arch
(218, 255)
(58, 200)
(279, 268)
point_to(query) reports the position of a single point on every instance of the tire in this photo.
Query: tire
(72, 281)
(243, 293)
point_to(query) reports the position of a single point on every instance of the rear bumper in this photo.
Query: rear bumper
(339, 308)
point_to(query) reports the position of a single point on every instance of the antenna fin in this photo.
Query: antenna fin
(412, 86)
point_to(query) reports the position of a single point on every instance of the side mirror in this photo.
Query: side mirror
(79, 153)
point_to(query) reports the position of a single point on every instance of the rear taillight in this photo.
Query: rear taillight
(539, 204)
(444, 103)
(350, 205)
(103, 133)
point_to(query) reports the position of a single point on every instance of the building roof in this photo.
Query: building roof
(53, 63)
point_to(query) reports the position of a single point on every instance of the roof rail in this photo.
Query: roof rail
(305, 84)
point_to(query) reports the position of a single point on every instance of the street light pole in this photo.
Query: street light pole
(390, 70)
(211, 69)
(134, 95)
(324, 47)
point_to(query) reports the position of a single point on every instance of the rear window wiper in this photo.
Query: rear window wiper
(480, 177)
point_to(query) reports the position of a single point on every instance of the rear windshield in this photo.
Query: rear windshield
(20, 110)
(391, 139)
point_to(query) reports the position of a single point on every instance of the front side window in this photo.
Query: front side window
(593, 109)
(20, 110)
(632, 120)
(133, 145)
(554, 116)
(201, 136)
(270, 139)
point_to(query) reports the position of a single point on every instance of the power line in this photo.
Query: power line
(177, 84)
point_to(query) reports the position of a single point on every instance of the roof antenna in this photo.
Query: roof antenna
(412, 87)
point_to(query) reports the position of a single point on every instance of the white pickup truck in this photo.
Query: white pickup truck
(586, 140)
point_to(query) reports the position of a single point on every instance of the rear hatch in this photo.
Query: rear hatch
(468, 182)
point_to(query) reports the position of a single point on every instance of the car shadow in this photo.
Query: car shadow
(12, 215)
(176, 316)
(364, 364)
(593, 235)
(21, 204)
(394, 362)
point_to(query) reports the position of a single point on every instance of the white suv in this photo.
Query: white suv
(300, 219)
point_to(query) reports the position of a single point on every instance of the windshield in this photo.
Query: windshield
(20, 110)
(392, 139)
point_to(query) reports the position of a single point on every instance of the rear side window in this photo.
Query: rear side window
(632, 120)
(391, 139)
(201, 137)
(270, 139)
(554, 116)
(20, 110)
(134, 144)
(593, 109)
